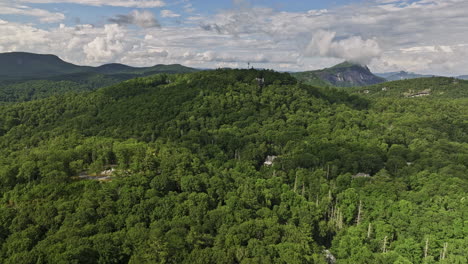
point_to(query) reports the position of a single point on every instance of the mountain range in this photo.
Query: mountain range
(28, 76)
(401, 75)
(23, 65)
(19, 67)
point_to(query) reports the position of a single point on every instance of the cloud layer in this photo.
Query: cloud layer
(44, 16)
(427, 36)
(121, 3)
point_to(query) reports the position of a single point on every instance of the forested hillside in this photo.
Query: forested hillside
(433, 87)
(353, 178)
(28, 76)
(21, 91)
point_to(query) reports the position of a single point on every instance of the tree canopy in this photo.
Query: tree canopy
(366, 179)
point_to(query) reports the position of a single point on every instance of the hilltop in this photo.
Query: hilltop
(345, 74)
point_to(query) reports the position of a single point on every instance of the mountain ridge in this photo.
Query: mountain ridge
(25, 65)
(28, 76)
(402, 75)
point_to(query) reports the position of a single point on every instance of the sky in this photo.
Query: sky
(423, 36)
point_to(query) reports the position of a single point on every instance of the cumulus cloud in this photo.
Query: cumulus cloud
(144, 19)
(353, 49)
(17, 36)
(107, 47)
(43, 15)
(120, 3)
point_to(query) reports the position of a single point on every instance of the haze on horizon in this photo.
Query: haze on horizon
(424, 36)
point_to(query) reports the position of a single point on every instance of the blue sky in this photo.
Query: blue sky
(425, 36)
(98, 14)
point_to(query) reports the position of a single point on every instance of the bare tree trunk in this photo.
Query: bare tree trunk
(444, 252)
(369, 229)
(340, 220)
(426, 248)
(384, 248)
(358, 220)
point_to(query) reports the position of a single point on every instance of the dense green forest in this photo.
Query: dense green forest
(32, 89)
(354, 178)
(433, 87)
(21, 91)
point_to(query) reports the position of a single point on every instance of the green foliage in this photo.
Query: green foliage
(190, 185)
(417, 89)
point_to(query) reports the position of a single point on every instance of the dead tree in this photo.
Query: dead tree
(444, 251)
(426, 248)
(369, 230)
(384, 248)
(358, 220)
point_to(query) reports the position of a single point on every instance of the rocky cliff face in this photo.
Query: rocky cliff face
(349, 75)
(343, 75)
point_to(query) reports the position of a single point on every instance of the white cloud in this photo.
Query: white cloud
(168, 13)
(43, 15)
(379, 31)
(353, 49)
(427, 36)
(121, 3)
(107, 47)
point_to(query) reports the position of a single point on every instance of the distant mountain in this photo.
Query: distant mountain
(23, 65)
(463, 77)
(402, 75)
(116, 68)
(27, 76)
(345, 74)
(113, 68)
